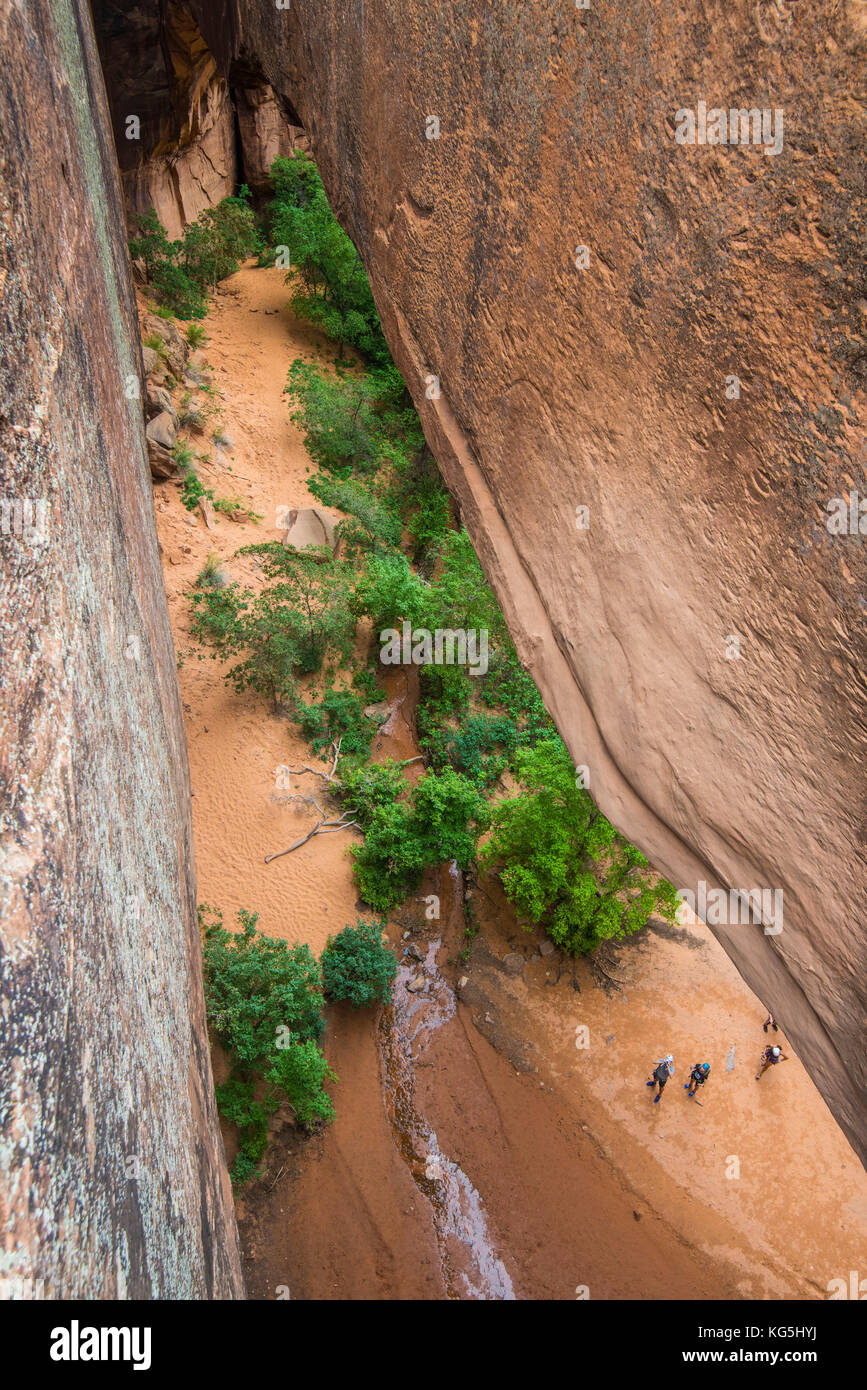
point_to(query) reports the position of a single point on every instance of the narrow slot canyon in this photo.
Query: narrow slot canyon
(334, 969)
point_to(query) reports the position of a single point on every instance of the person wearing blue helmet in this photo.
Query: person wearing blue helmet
(697, 1077)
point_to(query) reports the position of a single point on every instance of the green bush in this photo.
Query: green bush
(482, 747)
(183, 273)
(338, 715)
(264, 1004)
(335, 293)
(370, 526)
(258, 986)
(291, 625)
(563, 864)
(358, 966)
(439, 820)
(389, 592)
(338, 417)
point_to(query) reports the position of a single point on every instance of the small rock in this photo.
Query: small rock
(149, 359)
(546, 947)
(513, 963)
(463, 982)
(415, 985)
(191, 520)
(208, 513)
(415, 951)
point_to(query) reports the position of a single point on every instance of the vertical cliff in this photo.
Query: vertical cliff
(671, 338)
(112, 1177)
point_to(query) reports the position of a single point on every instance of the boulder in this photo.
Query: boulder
(150, 360)
(176, 349)
(163, 463)
(157, 401)
(310, 526)
(162, 430)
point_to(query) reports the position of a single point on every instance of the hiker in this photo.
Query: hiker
(770, 1022)
(697, 1077)
(770, 1057)
(661, 1072)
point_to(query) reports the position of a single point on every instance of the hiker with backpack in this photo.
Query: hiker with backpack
(770, 1057)
(697, 1077)
(661, 1072)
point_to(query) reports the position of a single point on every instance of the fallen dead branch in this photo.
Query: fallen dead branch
(324, 826)
(317, 772)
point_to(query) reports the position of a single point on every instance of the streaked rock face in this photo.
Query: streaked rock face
(112, 1175)
(701, 643)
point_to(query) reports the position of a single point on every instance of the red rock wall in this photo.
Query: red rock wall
(112, 1176)
(606, 388)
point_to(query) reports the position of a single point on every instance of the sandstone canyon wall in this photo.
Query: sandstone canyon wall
(701, 645)
(184, 139)
(112, 1175)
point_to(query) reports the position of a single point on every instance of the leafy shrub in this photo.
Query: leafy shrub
(335, 293)
(389, 592)
(563, 864)
(370, 527)
(338, 715)
(358, 966)
(258, 986)
(290, 626)
(183, 272)
(264, 1004)
(439, 820)
(338, 417)
(196, 335)
(192, 489)
(470, 747)
(300, 1072)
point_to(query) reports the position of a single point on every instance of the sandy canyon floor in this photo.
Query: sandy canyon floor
(477, 1151)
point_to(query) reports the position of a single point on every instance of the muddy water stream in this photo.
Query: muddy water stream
(422, 1002)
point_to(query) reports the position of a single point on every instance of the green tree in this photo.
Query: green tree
(390, 593)
(335, 293)
(338, 417)
(291, 625)
(264, 1005)
(563, 864)
(357, 965)
(439, 820)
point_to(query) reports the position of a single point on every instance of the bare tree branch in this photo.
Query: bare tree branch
(322, 827)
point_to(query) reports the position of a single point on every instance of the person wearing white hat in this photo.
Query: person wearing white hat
(770, 1057)
(661, 1072)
